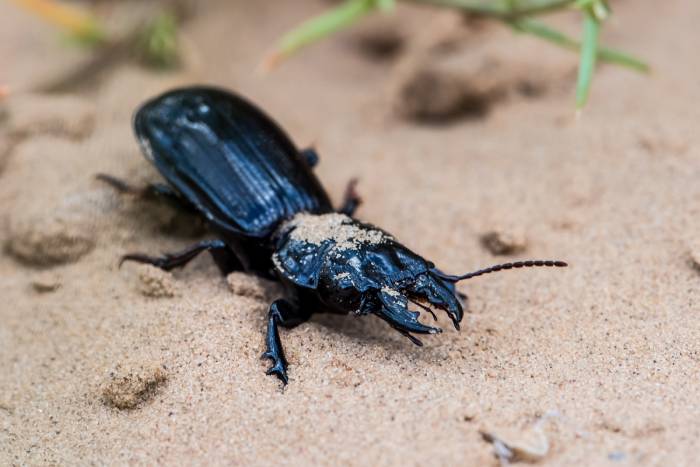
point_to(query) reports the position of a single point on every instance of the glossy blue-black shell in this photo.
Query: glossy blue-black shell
(228, 159)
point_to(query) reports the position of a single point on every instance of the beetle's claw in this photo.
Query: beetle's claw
(441, 295)
(395, 312)
(279, 368)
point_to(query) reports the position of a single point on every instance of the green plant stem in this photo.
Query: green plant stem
(589, 53)
(605, 54)
(323, 25)
(502, 10)
(515, 13)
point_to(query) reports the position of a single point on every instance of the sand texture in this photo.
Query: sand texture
(467, 150)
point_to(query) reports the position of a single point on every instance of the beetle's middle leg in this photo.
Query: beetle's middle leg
(282, 313)
(351, 199)
(224, 258)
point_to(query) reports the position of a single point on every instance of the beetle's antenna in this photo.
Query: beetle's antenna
(500, 267)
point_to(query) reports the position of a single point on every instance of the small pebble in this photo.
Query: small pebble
(155, 282)
(465, 72)
(129, 388)
(695, 253)
(617, 456)
(531, 446)
(48, 239)
(380, 42)
(45, 282)
(56, 230)
(7, 143)
(429, 94)
(504, 242)
(247, 285)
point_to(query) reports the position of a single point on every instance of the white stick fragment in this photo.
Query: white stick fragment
(529, 447)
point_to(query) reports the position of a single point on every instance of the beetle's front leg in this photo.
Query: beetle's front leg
(282, 313)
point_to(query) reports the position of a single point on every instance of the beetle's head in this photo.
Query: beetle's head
(357, 268)
(386, 279)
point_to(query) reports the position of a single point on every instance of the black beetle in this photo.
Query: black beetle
(226, 160)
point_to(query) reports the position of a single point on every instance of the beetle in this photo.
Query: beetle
(224, 159)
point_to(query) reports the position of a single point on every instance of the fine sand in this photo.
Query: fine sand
(457, 131)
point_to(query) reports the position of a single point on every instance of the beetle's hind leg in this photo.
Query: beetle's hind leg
(351, 199)
(282, 313)
(224, 258)
(154, 191)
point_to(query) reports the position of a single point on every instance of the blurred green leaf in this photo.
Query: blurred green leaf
(158, 44)
(386, 5)
(80, 25)
(91, 36)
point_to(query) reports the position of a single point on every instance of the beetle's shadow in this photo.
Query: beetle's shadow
(373, 331)
(159, 217)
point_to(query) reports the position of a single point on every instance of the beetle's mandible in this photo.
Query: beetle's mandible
(224, 159)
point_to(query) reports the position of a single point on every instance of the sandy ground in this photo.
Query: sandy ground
(100, 365)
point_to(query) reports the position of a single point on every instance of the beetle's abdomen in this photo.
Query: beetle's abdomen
(230, 160)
